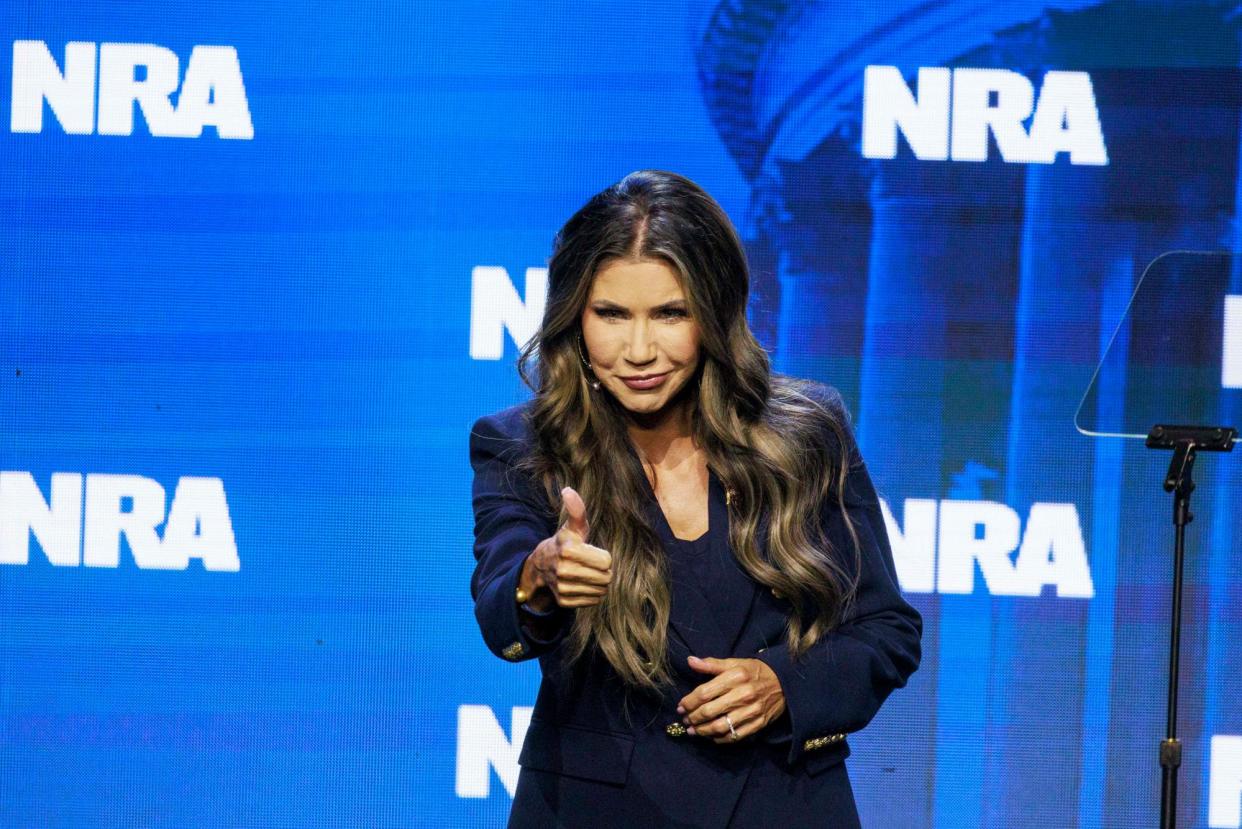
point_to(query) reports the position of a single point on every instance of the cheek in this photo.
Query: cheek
(600, 341)
(685, 346)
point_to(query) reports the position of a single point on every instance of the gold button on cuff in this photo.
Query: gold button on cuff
(675, 729)
(513, 651)
(819, 742)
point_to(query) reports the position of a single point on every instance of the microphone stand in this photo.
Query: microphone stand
(1186, 442)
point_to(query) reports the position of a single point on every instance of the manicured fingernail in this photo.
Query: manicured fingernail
(685, 720)
(681, 710)
(690, 730)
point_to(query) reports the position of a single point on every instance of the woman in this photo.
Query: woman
(689, 544)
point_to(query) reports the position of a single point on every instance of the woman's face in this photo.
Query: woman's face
(637, 324)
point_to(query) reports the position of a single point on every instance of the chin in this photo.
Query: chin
(641, 404)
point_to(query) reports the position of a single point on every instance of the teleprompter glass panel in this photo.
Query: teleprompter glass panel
(1176, 357)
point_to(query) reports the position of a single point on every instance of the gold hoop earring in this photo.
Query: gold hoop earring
(581, 355)
(594, 381)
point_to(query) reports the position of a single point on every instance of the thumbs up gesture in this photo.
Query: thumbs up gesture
(564, 568)
(575, 511)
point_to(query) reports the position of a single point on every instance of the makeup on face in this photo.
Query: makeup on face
(641, 339)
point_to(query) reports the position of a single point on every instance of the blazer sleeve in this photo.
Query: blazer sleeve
(839, 683)
(508, 524)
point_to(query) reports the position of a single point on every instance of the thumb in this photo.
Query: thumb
(708, 665)
(575, 511)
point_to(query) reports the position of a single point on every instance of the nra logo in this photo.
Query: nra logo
(1224, 781)
(496, 307)
(1231, 371)
(85, 517)
(955, 110)
(942, 545)
(97, 87)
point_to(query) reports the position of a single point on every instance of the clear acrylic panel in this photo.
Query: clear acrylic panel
(1176, 357)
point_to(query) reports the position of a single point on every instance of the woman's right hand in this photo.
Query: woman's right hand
(564, 569)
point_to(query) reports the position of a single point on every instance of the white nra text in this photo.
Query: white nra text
(96, 89)
(955, 110)
(937, 547)
(482, 745)
(495, 306)
(1231, 361)
(84, 518)
(1225, 782)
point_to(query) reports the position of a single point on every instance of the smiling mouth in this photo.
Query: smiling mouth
(645, 381)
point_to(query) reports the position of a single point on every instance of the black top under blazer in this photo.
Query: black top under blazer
(595, 756)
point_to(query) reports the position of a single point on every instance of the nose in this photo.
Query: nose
(640, 347)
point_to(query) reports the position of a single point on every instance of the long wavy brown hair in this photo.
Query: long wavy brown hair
(768, 438)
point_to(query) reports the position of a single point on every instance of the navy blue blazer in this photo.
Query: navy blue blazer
(596, 756)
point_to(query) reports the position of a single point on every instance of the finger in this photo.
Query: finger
(710, 710)
(720, 687)
(693, 699)
(704, 693)
(594, 557)
(569, 571)
(577, 589)
(573, 573)
(709, 665)
(747, 720)
(713, 688)
(578, 601)
(716, 725)
(575, 511)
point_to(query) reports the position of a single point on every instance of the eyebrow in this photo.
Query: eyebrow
(674, 304)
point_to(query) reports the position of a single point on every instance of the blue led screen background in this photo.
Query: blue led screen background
(292, 315)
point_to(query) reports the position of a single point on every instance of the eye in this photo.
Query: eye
(675, 312)
(607, 312)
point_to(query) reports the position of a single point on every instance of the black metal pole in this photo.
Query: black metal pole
(1171, 747)
(1186, 442)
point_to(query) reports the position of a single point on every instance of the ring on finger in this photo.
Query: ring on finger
(730, 722)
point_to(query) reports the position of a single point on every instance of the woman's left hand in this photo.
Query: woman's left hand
(745, 689)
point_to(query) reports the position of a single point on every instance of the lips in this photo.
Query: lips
(645, 381)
